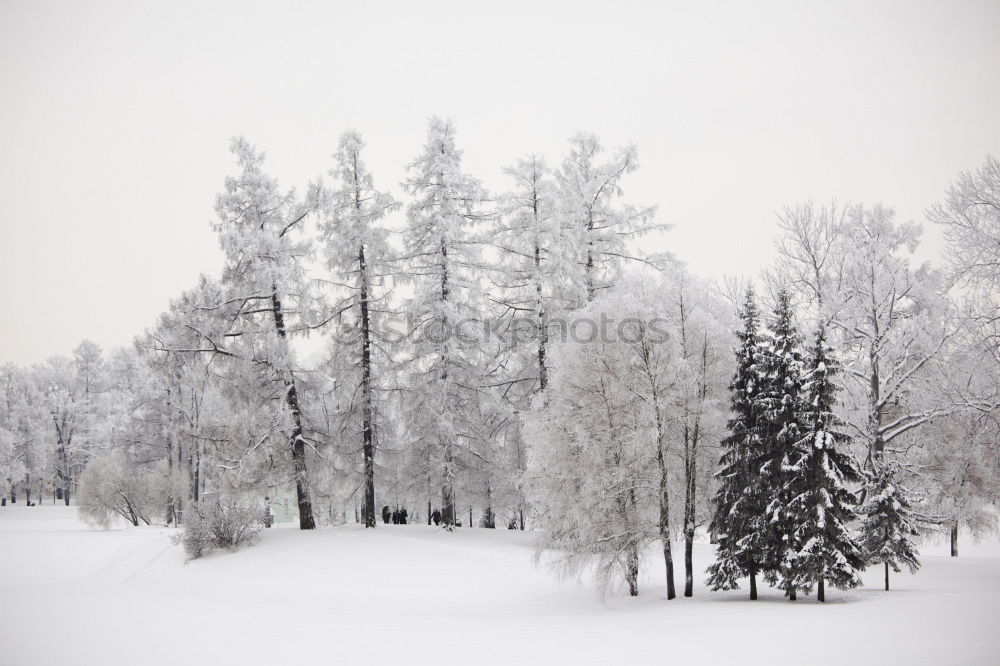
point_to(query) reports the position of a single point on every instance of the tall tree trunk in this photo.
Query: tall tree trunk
(297, 441)
(689, 502)
(954, 539)
(877, 444)
(820, 591)
(447, 484)
(589, 274)
(664, 524)
(448, 490)
(171, 434)
(543, 332)
(368, 444)
(753, 583)
(488, 520)
(887, 576)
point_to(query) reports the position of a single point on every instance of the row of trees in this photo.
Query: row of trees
(518, 353)
(435, 334)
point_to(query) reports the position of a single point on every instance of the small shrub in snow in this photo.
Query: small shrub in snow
(111, 487)
(226, 526)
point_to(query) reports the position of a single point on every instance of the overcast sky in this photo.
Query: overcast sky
(115, 119)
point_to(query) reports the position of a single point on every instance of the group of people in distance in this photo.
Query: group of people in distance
(396, 516)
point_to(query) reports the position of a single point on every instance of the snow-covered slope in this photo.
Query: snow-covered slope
(413, 594)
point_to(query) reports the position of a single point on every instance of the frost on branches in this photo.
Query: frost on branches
(357, 249)
(442, 260)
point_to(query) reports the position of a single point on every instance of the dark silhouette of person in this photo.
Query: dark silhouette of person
(436, 517)
(402, 516)
(385, 514)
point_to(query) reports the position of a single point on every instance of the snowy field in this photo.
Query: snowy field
(413, 594)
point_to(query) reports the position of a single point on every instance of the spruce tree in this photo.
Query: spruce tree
(782, 428)
(738, 518)
(821, 506)
(889, 522)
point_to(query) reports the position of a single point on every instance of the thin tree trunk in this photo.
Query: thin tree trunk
(543, 333)
(298, 444)
(171, 433)
(632, 570)
(753, 584)
(448, 490)
(589, 271)
(954, 539)
(664, 521)
(820, 591)
(447, 485)
(886, 576)
(689, 517)
(664, 524)
(366, 394)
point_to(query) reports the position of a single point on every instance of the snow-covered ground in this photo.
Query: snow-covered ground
(413, 594)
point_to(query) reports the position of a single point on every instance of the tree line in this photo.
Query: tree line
(519, 355)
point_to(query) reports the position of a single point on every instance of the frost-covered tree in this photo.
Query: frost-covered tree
(62, 396)
(590, 203)
(113, 487)
(25, 435)
(188, 373)
(889, 524)
(700, 374)
(634, 379)
(357, 254)
(535, 266)
(266, 291)
(738, 521)
(970, 219)
(958, 471)
(821, 502)
(851, 265)
(589, 466)
(442, 259)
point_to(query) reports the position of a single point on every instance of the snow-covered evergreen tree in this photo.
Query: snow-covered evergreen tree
(738, 523)
(783, 427)
(889, 522)
(821, 505)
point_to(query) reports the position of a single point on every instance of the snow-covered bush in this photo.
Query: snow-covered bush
(111, 487)
(228, 526)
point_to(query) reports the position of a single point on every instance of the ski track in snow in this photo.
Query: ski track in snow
(413, 594)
